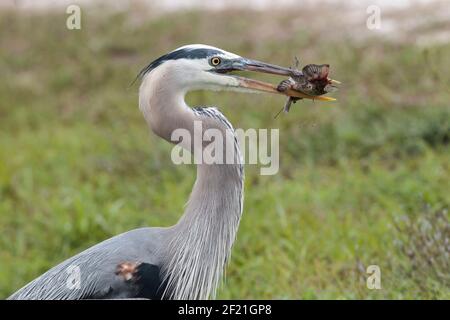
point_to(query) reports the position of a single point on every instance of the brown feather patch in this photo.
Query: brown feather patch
(127, 270)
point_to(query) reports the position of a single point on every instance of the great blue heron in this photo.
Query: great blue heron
(187, 260)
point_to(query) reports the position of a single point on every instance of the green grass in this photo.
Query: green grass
(78, 165)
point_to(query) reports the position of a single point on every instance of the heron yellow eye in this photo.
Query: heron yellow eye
(215, 61)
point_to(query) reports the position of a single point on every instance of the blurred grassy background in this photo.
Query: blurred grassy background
(360, 180)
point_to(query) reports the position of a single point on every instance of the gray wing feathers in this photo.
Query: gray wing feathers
(91, 273)
(61, 282)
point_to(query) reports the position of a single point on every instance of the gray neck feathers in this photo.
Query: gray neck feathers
(203, 237)
(199, 245)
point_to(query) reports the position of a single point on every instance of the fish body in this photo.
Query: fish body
(312, 80)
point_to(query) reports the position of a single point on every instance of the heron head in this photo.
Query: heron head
(198, 66)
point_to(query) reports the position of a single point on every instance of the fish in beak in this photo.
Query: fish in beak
(312, 80)
(242, 64)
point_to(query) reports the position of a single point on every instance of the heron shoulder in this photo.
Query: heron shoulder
(93, 272)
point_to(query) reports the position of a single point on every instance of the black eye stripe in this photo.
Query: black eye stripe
(187, 53)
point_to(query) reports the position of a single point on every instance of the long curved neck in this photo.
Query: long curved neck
(199, 245)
